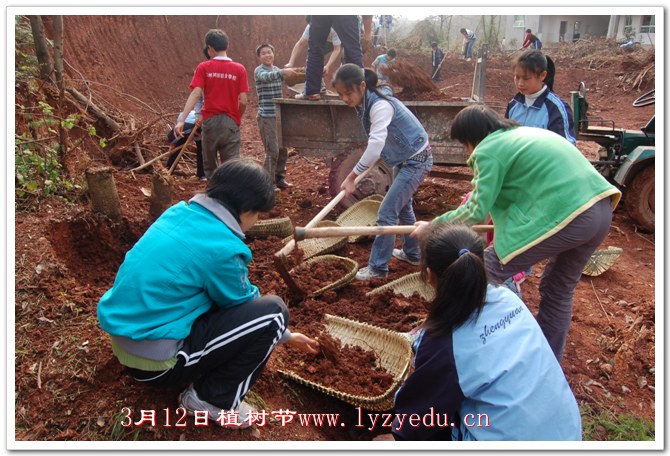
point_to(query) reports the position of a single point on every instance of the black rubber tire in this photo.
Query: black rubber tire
(378, 181)
(639, 198)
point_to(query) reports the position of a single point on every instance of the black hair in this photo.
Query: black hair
(528, 31)
(264, 45)
(536, 62)
(474, 123)
(206, 53)
(463, 30)
(455, 256)
(351, 75)
(392, 53)
(242, 185)
(433, 44)
(218, 39)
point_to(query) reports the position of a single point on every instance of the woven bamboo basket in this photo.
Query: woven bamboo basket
(407, 286)
(280, 227)
(352, 267)
(601, 261)
(319, 246)
(363, 213)
(394, 354)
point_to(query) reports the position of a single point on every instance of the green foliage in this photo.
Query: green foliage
(605, 426)
(119, 432)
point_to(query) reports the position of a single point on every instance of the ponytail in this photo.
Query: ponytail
(455, 255)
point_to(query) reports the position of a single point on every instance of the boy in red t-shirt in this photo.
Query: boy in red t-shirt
(225, 86)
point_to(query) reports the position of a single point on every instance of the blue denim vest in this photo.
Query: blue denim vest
(406, 135)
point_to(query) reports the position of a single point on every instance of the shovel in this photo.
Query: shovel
(280, 257)
(302, 233)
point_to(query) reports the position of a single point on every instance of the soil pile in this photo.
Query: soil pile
(413, 80)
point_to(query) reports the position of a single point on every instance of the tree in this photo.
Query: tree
(41, 48)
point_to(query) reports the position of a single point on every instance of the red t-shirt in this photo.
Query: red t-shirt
(222, 81)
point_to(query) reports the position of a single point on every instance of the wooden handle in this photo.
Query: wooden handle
(302, 233)
(288, 248)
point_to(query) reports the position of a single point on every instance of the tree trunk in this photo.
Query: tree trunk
(102, 190)
(161, 193)
(99, 113)
(58, 50)
(41, 48)
(58, 68)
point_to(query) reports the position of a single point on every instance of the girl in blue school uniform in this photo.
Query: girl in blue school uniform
(481, 361)
(536, 104)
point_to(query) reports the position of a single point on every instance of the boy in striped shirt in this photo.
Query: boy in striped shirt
(268, 79)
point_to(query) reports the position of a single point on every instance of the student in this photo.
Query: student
(348, 29)
(536, 105)
(223, 84)
(397, 137)
(189, 124)
(333, 45)
(182, 309)
(268, 79)
(436, 56)
(480, 353)
(546, 201)
(530, 39)
(469, 39)
(382, 63)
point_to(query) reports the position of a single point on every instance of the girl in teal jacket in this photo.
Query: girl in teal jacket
(546, 202)
(182, 308)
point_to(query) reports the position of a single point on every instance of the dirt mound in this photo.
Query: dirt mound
(412, 78)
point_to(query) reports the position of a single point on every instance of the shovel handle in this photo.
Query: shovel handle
(302, 233)
(288, 248)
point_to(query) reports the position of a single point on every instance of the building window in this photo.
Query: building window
(628, 25)
(648, 24)
(519, 22)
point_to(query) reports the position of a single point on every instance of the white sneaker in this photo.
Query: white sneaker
(400, 254)
(366, 274)
(191, 402)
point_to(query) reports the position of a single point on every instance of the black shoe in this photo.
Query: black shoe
(281, 183)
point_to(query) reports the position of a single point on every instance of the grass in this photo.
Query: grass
(603, 425)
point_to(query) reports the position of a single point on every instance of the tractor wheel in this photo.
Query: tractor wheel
(377, 181)
(639, 198)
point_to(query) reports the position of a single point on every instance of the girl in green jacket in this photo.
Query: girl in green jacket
(546, 202)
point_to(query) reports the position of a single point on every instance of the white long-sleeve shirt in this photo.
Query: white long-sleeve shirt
(381, 115)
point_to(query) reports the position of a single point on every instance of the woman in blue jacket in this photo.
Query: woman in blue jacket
(483, 370)
(397, 137)
(182, 308)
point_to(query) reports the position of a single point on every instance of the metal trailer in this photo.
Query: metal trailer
(331, 130)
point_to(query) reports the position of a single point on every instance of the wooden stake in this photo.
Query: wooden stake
(102, 190)
(161, 193)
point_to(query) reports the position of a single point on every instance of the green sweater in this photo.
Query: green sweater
(533, 182)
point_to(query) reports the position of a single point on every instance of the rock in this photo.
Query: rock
(606, 368)
(625, 389)
(642, 382)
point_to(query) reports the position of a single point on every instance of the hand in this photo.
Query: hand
(420, 230)
(179, 129)
(349, 185)
(303, 343)
(384, 437)
(289, 65)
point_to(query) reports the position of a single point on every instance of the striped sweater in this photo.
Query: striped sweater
(268, 80)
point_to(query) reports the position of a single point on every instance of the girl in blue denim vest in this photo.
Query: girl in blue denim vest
(397, 137)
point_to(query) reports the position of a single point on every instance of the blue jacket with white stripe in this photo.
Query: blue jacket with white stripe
(493, 378)
(549, 112)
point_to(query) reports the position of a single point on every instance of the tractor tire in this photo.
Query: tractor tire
(377, 181)
(639, 198)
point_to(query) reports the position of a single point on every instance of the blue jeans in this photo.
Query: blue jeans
(396, 209)
(467, 53)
